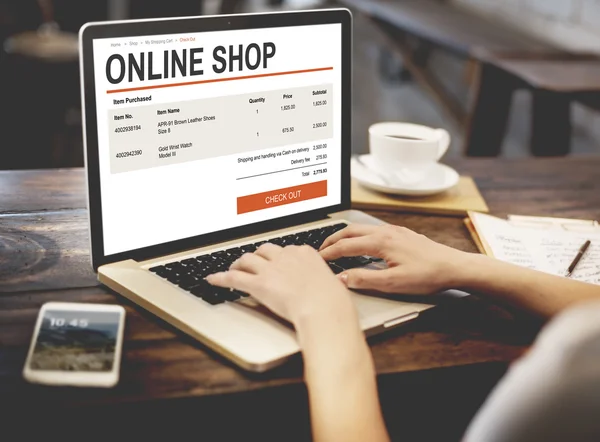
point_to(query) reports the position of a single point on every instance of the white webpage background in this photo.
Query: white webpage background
(153, 206)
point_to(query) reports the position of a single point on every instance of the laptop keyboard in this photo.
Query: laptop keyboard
(189, 273)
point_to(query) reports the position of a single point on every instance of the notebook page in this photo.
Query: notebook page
(507, 243)
(548, 250)
(561, 248)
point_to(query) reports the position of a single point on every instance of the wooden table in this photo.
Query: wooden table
(440, 24)
(437, 370)
(555, 81)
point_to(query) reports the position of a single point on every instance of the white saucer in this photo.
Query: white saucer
(440, 179)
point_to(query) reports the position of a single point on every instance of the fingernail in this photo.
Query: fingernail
(344, 278)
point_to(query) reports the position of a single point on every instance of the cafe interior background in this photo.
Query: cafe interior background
(41, 127)
(40, 95)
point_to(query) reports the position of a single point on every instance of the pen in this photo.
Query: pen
(580, 254)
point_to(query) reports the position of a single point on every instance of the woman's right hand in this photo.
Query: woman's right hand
(416, 264)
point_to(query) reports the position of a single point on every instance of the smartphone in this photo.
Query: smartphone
(76, 344)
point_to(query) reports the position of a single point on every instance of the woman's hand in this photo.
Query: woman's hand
(293, 282)
(417, 265)
(296, 283)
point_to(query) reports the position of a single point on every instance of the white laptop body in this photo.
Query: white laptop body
(205, 136)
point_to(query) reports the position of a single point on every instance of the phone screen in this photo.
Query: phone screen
(72, 340)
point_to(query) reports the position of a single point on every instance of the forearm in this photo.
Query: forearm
(341, 382)
(536, 292)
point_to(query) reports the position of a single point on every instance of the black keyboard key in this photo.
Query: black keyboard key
(207, 292)
(177, 267)
(289, 240)
(201, 288)
(363, 260)
(335, 268)
(189, 261)
(161, 271)
(352, 262)
(240, 293)
(229, 295)
(315, 244)
(344, 263)
(250, 248)
(196, 264)
(327, 231)
(277, 241)
(319, 232)
(204, 272)
(174, 277)
(234, 253)
(302, 237)
(213, 298)
(217, 294)
(260, 243)
(215, 261)
(300, 240)
(187, 282)
(318, 241)
(340, 226)
(192, 267)
(203, 258)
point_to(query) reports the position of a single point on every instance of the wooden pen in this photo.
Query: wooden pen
(580, 254)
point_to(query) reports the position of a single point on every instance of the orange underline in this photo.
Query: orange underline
(216, 80)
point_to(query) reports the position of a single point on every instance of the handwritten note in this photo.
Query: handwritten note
(549, 250)
(560, 254)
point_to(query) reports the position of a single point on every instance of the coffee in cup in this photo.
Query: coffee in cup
(406, 153)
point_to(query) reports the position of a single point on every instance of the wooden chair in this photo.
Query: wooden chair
(40, 85)
(505, 59)
(555, 81)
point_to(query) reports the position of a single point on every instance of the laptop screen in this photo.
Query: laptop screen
(203, 132)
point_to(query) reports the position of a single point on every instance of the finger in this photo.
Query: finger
(250, 263)
(363, 245)
(234, 279)
(269, 251)
(365, 279)
(352, 231)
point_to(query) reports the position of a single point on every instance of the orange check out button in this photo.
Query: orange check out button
(280, 197)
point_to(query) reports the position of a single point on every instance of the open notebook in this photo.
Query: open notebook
(545, 244)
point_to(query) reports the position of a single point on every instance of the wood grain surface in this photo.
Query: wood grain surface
(457, 201)
(566, 76)
(43, 257)
(449, 26)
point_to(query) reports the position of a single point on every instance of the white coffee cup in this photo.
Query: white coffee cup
(406, 153)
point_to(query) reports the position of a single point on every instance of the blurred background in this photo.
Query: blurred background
(505, 77)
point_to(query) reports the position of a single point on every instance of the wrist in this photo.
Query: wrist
(333, 351)
(472, 270)
(465, 270)
(323, 329)
(318, 311)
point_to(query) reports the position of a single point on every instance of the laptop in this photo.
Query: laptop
(206, 137)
